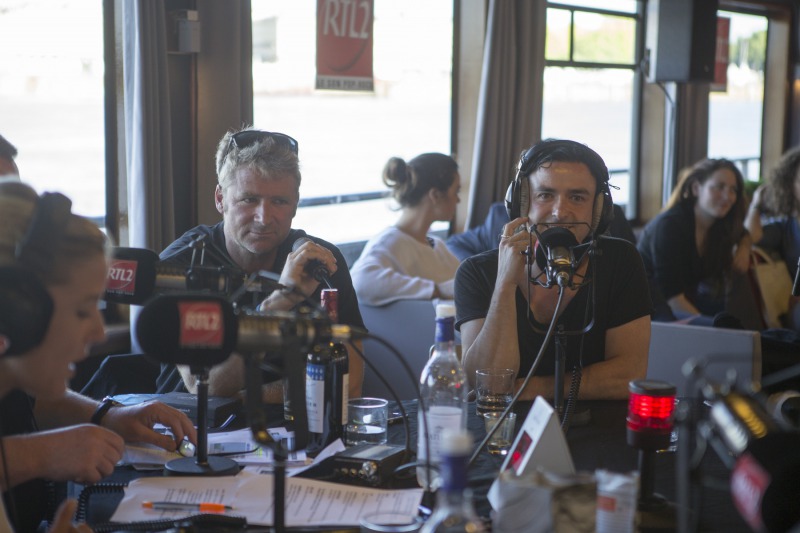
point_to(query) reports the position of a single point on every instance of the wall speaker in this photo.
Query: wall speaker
(681, 40)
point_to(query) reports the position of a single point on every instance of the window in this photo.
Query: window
(590, 81)
(51, 97)
(346, 138)
(735, 113)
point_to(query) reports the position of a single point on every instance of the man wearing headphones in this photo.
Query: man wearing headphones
(505, 302)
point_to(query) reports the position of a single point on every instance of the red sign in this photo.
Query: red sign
(344, 45)
(749, 482)
(201, 324)
(121, 278)
(720, 82)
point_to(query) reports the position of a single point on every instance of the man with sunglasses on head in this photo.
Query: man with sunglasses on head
(257, 193)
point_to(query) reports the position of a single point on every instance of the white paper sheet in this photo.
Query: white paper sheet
(308, 502)
(146, 456)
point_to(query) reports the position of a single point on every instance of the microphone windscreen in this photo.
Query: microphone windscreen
(551, 237)
(299, 242)
(764, 482)
(131, 275)
(199, 330)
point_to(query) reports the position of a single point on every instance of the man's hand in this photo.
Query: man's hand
(63, 519)
(85, 453)
(134, 423)
(294, 272)
(514, 241)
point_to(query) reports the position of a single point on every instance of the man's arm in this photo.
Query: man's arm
(626, 350)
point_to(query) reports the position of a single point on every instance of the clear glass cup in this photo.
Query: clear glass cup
(501, 441)
(494, 388)
(367, 421)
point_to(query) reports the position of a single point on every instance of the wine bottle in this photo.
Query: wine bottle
(319, 398)
(326, 386)
(454, 512)
(443, 392)
(341, 362)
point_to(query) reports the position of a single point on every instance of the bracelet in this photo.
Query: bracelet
(107, 403)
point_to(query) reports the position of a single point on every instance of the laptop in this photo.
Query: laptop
(718, 352)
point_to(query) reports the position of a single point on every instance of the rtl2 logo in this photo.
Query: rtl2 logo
(201, 324)
(121, 277)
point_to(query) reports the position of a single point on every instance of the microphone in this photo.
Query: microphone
(314, 268)
(555, 255)
(136, 273)
(796, 284)
(203, 330)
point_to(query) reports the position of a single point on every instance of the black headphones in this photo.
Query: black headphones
(518, 195)
(25, 305)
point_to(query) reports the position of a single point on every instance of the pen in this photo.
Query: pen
(205, 507)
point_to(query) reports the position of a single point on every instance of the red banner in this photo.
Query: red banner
(720, 82)
(344, 45)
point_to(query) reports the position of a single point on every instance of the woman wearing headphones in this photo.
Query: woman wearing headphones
(697, 250)
(52, 274)
(403, 262)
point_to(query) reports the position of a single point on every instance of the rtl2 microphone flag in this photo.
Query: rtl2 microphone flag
(199, 330)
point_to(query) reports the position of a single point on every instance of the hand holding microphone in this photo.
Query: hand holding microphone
(315, 261)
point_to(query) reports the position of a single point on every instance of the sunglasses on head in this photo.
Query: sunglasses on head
(246, 138)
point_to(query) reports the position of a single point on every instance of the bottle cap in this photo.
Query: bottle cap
(445, 310)
(456, 442)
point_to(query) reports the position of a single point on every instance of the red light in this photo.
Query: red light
(651, 406)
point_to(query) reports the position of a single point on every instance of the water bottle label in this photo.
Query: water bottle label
(439, 418)
(315, 397)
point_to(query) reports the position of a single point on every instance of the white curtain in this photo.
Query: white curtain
(147, 125)
(509, 109)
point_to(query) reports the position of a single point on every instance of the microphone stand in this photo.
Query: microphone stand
(202, 464)
(258, 424)
(560, 363)
(560, 335)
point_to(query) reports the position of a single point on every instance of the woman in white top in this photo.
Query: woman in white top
(403, 262)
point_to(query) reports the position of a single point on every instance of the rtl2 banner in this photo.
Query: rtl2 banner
(344, 45)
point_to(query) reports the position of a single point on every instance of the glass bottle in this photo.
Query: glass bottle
(454, 511)
(443, 391)
(326, 386)
(341, 362)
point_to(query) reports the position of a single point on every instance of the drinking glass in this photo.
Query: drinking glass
(500, 442)
(494, 388)
(366, 421)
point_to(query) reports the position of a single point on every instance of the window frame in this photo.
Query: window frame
(631, 204)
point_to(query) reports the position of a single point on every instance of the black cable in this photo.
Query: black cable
(421, 404)
(391, 390)
(535, 364)
(577, 370)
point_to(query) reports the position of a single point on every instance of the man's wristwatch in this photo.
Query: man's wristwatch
(107, 403)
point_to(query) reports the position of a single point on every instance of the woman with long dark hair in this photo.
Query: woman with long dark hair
(774, 218)
(696, 251)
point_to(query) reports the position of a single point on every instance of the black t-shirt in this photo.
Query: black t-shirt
(618, 288)
(28, 503)
(180, 252)
(669, 251)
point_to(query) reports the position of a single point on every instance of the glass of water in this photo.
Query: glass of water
(366, 421)
(494, 388)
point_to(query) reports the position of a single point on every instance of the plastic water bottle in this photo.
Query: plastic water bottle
(443, 390)
(454, 512)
